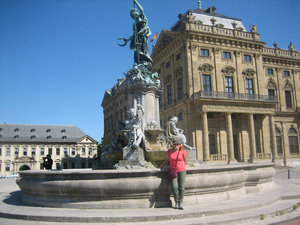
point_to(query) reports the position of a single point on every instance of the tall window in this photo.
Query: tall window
(8, 152)
(293, 141)
(278, 141)
(169, 94)
(24, 151)
(229, 85)
(168, 64)
(180, 116)
(206, 82)
(42, 151)
(16, 151)
(226, 55)
(288, 99)
(73, 151)
(83, 151)
(65, 152)
(271, 93)
(212, 144)
(50, 151)
(7, 167)
(57, 151)
(32, 151)
(249, 86)
(204, 52)
(90, 151)
(179, 83)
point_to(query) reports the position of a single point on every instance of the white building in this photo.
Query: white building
(24, 146)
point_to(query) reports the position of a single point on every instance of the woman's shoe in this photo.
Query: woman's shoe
(176, 205)
(180, 206)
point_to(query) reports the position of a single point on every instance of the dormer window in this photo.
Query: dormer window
(48, 130)
(16, 130)
(49, 137)
(63, 131)
(16, 136)
(32, 130)
(1, 129)
(64, 137)
(32, 137)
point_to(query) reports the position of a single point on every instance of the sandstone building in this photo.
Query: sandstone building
(236, 99)
(24, 146)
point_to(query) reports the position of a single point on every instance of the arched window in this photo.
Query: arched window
(293, 141)
(278, 141)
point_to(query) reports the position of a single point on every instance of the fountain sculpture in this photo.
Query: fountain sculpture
(140, 187)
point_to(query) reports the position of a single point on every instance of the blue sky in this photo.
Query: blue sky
(57, 57)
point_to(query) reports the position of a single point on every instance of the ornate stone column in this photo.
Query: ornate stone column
(252, 138)
(273, 138)
(206, 155)
(230, 148)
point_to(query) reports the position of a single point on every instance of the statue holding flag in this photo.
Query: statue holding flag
(141, 32)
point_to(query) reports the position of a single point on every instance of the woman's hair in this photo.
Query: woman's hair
(181, 147)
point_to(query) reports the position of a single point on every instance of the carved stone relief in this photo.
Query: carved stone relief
(249, 72)
(228, 70)
(206, 68)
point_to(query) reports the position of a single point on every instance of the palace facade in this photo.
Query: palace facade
(236, 99)
(23, 147)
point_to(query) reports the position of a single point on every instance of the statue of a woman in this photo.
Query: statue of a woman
(141, 32)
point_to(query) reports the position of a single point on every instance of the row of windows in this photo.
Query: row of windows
(207, 86)
(226, 55)
(43, 152)
(33, 130)
(285, 73)
(229, 88)
(34, 137)
(57, 165)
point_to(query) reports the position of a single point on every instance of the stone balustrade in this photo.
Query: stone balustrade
(234, 96)
(221, 31)
(218, 157)
(281, 52)
(265, 155)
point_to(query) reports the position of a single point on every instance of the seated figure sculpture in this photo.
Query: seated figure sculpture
(172, 132)
(135, 134)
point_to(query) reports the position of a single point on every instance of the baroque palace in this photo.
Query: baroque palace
(23, 147)
(236, 99)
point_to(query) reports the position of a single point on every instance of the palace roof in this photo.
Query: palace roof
(24, 133)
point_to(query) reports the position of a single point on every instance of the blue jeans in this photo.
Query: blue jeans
(178, 185)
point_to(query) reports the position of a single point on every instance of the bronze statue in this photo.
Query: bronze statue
(141, 33)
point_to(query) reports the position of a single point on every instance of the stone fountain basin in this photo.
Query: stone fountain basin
(140, 188)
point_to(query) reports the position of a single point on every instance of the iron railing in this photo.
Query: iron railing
(234, 96)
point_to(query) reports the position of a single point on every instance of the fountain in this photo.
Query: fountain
(136, 183)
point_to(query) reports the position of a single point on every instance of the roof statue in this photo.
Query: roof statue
(199, 4)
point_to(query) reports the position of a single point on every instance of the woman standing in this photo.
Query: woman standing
(177, 159)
